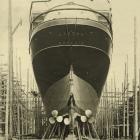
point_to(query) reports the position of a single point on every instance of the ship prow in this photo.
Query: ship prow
(70, 45)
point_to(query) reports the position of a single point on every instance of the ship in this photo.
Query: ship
(71, 45)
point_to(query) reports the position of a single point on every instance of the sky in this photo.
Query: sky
(123, 12)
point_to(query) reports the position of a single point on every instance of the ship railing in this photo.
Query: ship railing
(44, 17)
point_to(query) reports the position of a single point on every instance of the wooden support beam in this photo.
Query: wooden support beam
(8, 126)
(135, 84)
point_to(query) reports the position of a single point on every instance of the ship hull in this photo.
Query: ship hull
(58, 95)
(58, 44)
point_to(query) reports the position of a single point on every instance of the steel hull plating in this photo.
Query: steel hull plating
(56, 46)
(59, 93)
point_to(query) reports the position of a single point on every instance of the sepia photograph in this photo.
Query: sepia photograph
(70, 70)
